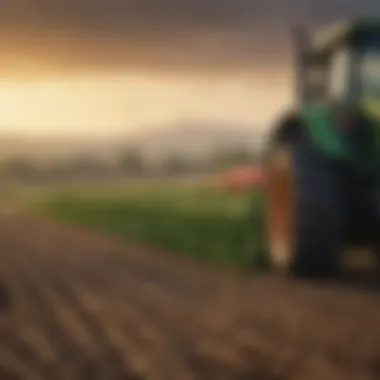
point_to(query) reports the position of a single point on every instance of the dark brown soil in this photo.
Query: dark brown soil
(86, 307)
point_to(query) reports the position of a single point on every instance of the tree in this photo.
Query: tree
(21, 169)
(86, 165)
(225, 157)
(175, 164)
(241, 156)
(132, 162)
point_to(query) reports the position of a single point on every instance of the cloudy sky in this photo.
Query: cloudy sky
(108, 66)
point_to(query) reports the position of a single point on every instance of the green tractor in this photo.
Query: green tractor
(323, 162)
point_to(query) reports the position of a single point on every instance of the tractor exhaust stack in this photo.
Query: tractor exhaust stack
(301, 57)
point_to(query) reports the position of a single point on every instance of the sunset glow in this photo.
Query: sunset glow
(119, 66)
(125, 102)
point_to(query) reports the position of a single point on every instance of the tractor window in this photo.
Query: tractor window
(338, 75)
(369, 76)
(370, 73)
(316, 83)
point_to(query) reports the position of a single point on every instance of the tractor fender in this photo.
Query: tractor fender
(287, 129)
(314, 124)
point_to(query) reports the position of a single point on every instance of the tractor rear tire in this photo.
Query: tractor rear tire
(305, 219)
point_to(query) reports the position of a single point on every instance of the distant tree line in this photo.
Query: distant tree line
(131, 163)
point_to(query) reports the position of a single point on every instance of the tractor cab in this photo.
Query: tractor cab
(323, 160)
(340, 65)
(338, 89)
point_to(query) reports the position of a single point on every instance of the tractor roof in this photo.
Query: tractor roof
(330, 37)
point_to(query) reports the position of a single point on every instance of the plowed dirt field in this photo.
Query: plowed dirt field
(87, 307)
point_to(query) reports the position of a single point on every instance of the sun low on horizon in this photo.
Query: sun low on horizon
(125, 102)
(146, 64)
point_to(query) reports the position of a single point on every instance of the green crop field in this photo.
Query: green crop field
(210, 224)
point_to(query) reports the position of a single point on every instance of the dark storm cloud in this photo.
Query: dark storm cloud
(160, 33)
